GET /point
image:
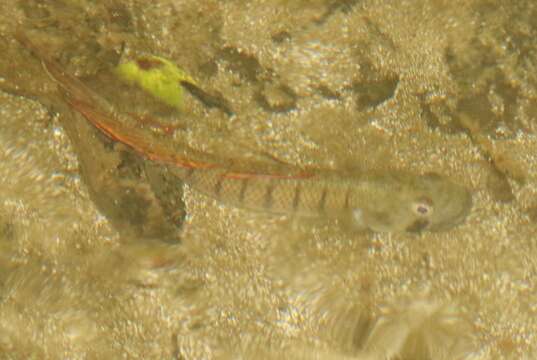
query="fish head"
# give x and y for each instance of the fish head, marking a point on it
(415, 203)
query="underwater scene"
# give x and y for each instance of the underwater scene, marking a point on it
(268, 179)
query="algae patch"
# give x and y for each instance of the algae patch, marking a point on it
(157, 76)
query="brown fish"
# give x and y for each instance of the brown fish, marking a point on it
(388, 201)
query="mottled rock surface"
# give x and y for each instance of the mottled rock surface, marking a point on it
(95, 262)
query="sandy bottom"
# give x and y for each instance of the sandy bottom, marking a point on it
(104, 257)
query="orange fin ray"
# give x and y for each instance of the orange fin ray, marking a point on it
(101, 114)
(133, 138)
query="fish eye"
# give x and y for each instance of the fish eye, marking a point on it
(423, 207)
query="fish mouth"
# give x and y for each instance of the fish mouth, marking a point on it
(418, 226)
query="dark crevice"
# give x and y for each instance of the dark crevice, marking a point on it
(277, 98)
(335, 6)
(374, 89)
(209, 100)
(247, 66)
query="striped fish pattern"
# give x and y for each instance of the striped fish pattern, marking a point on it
(384, 202)
(389, 201)
(307, 194)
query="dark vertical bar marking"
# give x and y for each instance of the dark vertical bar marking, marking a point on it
(348, 198)
(322, 200)
(296, 199)
(244, 186)
(268, 194)
(218, 186)
(189, 173)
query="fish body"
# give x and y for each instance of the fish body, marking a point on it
(385, 202)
